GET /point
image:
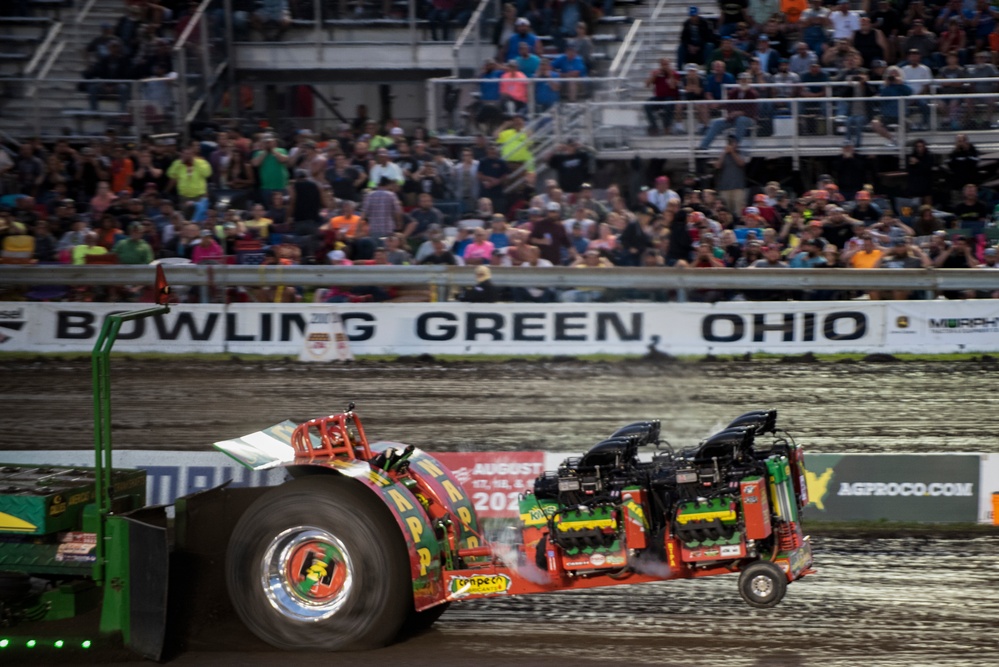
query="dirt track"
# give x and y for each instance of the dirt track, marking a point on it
(911, 601)
(561, 406)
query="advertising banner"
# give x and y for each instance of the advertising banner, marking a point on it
(943, 326)
(893, 487)
(461, 328)
(494, 480)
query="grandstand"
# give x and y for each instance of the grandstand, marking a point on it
(120, 81)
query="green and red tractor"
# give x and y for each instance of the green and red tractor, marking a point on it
(367, 541)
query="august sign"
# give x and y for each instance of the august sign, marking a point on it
(907, 487)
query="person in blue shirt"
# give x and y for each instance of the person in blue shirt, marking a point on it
(527, 62)
(570, 65)
(489, 91)
(888, 109)
(714, 84)
(523, 34)
(546, 93)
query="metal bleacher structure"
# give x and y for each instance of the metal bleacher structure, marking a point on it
(611, 121)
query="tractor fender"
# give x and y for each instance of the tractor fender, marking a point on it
(445, 488)
(421, 542)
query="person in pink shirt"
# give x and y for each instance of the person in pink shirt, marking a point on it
(206, 249)
(101, 201)
(480, 250)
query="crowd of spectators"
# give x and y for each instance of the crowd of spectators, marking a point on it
(374, 194)
(883, 50)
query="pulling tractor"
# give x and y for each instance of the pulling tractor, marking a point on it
(367, 541)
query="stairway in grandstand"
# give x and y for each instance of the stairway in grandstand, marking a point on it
(52, 107)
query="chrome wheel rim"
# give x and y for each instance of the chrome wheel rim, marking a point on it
(761, 586)
(306, 573)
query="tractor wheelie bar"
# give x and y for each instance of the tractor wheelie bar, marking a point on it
(367, 542)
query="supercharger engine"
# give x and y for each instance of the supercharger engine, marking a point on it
(724, 499)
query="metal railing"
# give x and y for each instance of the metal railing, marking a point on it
(556, 277)
(469, 101)
(795, 127)
(144, 105)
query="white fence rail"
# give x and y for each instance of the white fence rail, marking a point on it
(558, 277)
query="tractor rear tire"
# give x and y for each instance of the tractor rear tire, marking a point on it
(762, 584)
(319, 563)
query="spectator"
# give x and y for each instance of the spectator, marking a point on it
(957, 256)
(733, 12)
(953, 39)
(661, 194)
(513, 89)
(696, 39)
(844, 21)
(30, 170)
(766, 57)
(207, 249)
(865, 210)
(527, 62)
(189, 175)
(665, 85)
(134, 249)
(920, 40)
(480, 250)
(918, 77)
(346, 179)
(953, 107)
(693, 89)
(886, 19)
(919, 171)
(734, 59)
(522, 33)
(439, 254)
(571, 164)
(816, 90)
(870, 42)
(546, 93)
(515, 143)
(534, 260)
(889, 108)
(864, 256)
(395, 251)
(990, 260)
(484, 291)
(583, 44)
(815, 27)
(549, 235)
(271, 19)
(384, 168)
(89, 247)
(259, 225)
(771, 259)
(738, 117)
(971, 212)
(383, 213)
(271, 162)
(802, 59)
(570, 65)
(903, 255)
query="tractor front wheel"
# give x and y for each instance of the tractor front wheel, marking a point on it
(762, 584)
(319, 564)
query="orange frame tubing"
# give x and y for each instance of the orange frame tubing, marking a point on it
(334, 438)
